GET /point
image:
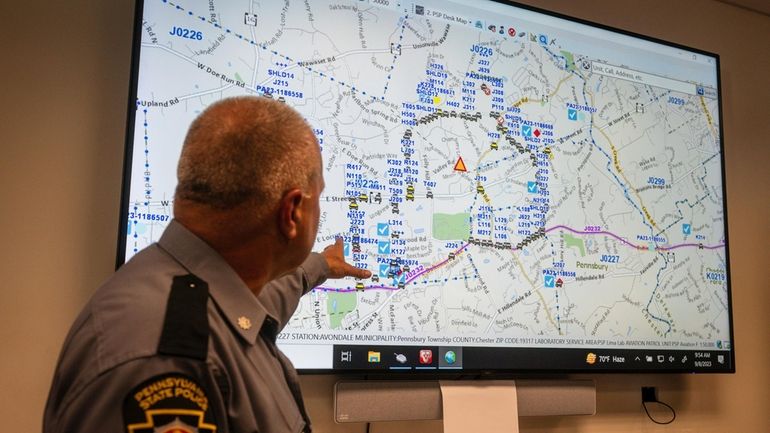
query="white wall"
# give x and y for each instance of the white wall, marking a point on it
(64, 78)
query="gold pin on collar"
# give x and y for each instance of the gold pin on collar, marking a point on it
(244, 323)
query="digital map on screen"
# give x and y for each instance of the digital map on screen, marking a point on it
(502, 187)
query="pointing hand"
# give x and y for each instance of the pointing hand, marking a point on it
(338, 267)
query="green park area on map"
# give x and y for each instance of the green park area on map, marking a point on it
(338, 305)
(451, 227)
(572, 241)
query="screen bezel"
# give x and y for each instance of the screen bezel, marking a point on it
(126, 185)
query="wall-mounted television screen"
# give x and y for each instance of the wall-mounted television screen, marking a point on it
(532, 192)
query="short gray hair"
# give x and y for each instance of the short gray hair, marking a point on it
(246, 150)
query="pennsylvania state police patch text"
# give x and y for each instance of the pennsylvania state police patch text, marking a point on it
(169, 403)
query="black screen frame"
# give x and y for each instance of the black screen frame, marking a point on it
(497, 372)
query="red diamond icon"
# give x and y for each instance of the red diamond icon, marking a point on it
(537, 133)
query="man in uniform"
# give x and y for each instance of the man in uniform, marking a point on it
(182, 338)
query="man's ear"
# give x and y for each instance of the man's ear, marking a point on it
(290, 213)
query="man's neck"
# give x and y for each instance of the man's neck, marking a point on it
(253, 254)
(254, 261)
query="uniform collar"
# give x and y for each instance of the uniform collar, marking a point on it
(239, 305)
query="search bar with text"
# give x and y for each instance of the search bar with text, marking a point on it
(643, 78)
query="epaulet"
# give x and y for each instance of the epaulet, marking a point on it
(186, 324)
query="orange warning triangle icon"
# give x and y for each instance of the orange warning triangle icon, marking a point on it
(460, 165)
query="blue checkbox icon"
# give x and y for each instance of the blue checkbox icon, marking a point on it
(384, 269)
(532, 187)
(686, 229)
(399, 278)
(572, 114)
(526, 130)
(383, 229)
(549, 281)
(383, 247)
(346, 249)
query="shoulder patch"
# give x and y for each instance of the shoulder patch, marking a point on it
(168, 403)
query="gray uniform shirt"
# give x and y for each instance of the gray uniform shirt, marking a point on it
(113, 376)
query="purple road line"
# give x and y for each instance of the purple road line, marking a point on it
(592, 233)
(713, 247)
(459, 250)
(414, 277)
